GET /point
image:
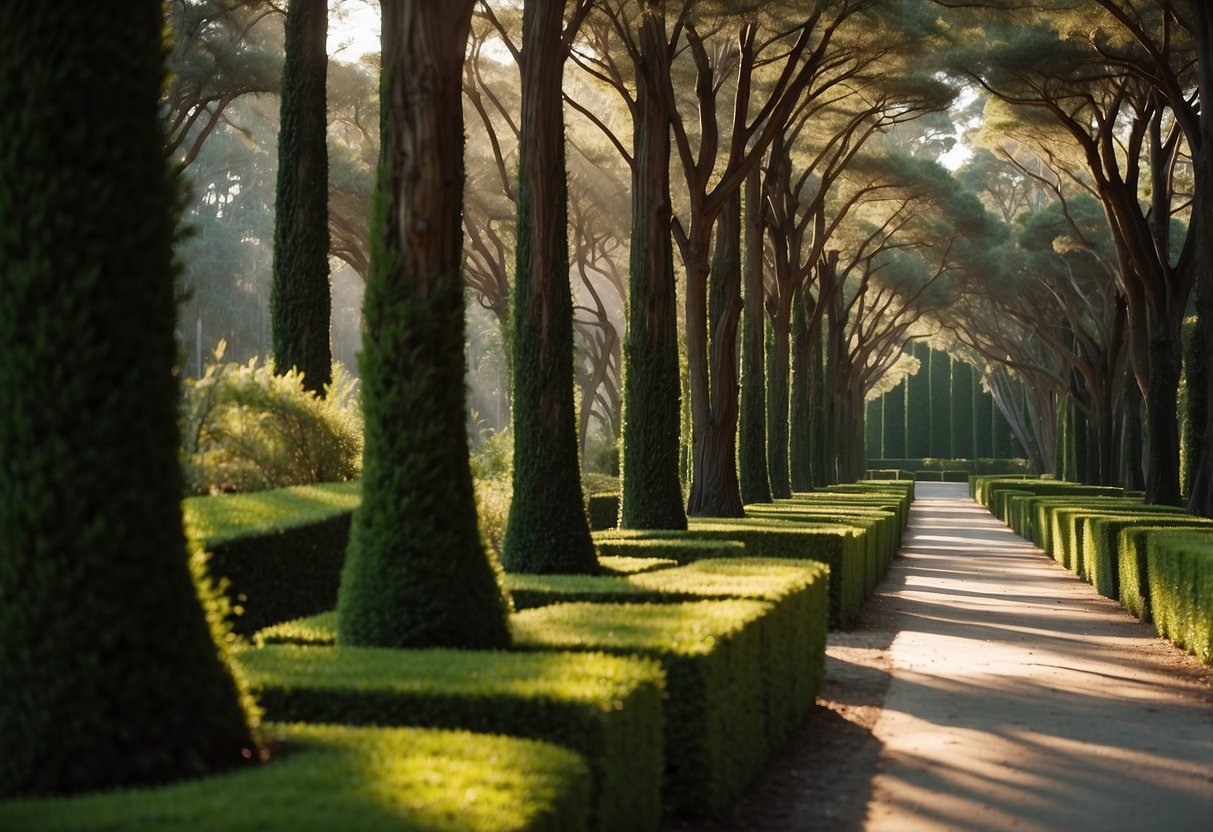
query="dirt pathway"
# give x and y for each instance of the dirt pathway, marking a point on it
(987, 688)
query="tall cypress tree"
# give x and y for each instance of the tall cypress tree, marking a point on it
(547, 530)
(873, 426)
(109, 672)
(941, 404)
(983, 421)
(895, 423)
(415, 573)
(300, 294)
(918, 405)
(962, 410)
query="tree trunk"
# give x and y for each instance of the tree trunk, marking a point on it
(110, 674)
(715, 491)
(1162, 423)
(1200, 385)
(652, 491)
(778, 402)
(300, 294)
(415, 535)
(547, 530)
(756, 485)
(800, 448)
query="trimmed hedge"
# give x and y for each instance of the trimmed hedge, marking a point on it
(716, 737)
(602, 510)
(994, 492)
(982, 466)
(614, 565)
(277, 553)
(1180, 567)
(798, 589)
(667, 545)
(606, 708)
(1131, 547)
(332, 777)
(1037, 518)
(842, 548)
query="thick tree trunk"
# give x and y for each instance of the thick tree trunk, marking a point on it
(652, 492)
(300, 294)
(756, 485)
(547, 530)
(778, 458)
(415, 535)
(715, 491)
(110, 676)
(1200, 385)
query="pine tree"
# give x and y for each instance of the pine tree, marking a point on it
(416, 573)
(110, 674)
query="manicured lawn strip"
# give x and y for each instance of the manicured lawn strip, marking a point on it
(607, 708)
(1131, 549)
(326, 778)
(279, 551)
(1180, 566)
(716, 739)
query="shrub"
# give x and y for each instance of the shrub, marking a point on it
(1131, 544)
(1180, 568)
(246, 429)
(607, 708)
(602, 510)
(332, 777)
(667, 545)
(713, 657)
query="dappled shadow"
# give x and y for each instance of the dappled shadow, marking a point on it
(1022, 699)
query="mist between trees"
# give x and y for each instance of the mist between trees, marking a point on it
(777, 200)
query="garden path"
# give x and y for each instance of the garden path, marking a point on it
(1021, 699)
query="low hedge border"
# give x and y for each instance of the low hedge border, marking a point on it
(607, 708)
(1180, 569)
(1131, 547)
(335, 777)
(664, 545)
(1048, 522)
(278, 554)
(616, 565)
(716, 737)
(1098, 562)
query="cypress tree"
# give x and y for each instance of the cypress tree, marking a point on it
(894, 440)
(819, 423)
(547, 530)
(300, 294)
(918, 405)
(1005, 444)
(983, 421)
(941, 404)
(800, 455)
(962, 411)
(874, 429)
(110, 674)
(415, 573)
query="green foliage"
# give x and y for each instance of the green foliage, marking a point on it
(277, 554)
(1131, 550)
(918, 405)
(622, 565)
(1180, 568)
(717, 678)
(602, 511)
(666, 545)
(109, 666)
(1100, 536)
(246, 429)
(941, 405)
(606, 708)
(332, 777)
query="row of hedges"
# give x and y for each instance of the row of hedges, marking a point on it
(716, 660)
(738, 672)
(982, 466)
(1156, 560)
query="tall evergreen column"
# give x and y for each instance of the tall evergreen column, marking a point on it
(547, 529)
(918, 405)
(800, 451)
(962, 410)
(300, 294)
(941, 405)
(109, 673)
(416, 573)
(895, 423)
(752, 439)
